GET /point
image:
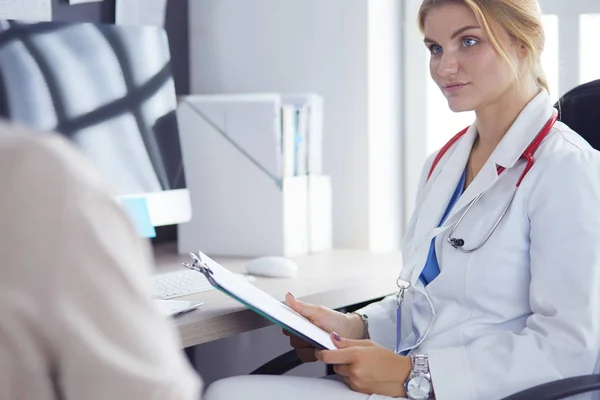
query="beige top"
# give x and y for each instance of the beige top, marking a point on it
(76, 319)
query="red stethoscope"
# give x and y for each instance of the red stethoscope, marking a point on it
(527, 155)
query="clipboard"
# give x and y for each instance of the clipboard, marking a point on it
(259, 301)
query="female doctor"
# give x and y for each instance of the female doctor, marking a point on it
(500, 287)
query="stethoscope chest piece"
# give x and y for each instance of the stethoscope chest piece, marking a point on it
(456, 243)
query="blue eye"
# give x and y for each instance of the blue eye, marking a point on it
(435, 49)
(469, 42)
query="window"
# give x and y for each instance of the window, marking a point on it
(550, 56)
(589, 61)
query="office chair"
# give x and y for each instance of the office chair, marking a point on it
(579, 109)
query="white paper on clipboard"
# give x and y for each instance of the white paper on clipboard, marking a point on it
(266, 303)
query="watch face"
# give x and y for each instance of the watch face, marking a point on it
(418, 387)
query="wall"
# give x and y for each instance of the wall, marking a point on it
(92, 12)
(416, 74)
(324, 47)
(176, 24)
(288, 46)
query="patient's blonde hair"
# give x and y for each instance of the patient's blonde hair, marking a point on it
(522, 19)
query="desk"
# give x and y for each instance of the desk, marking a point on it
(334, 279)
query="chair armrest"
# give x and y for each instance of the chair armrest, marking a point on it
(559, 389)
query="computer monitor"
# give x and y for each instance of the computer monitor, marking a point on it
(109, 89)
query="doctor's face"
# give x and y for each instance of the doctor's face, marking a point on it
(463, 63)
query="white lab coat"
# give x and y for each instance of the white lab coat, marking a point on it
(525, 308)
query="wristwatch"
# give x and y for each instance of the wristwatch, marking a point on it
(365, 321)
(418, 385)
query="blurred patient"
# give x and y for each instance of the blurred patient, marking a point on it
(76, 318)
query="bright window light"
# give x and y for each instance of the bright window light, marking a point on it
(550, 56)
(589, 62)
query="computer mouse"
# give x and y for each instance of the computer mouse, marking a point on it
(273, 267)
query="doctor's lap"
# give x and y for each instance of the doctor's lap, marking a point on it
(282, 387)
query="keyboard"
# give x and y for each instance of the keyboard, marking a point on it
(183, 282)
(179, 283)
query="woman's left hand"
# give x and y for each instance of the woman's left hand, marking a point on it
(367, 367)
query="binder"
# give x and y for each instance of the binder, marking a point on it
(238, 153)
(260, 302)
(241, 205)
(312, 105)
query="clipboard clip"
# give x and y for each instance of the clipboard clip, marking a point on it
(198, 264)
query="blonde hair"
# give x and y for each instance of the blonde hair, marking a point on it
(522, 19)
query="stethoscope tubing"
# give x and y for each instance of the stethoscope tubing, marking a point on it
(527, 155)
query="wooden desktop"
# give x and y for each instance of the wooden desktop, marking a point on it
(334, 279)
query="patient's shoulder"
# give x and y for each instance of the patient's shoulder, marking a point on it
(44, 162)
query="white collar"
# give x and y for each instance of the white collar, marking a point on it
(523, 131)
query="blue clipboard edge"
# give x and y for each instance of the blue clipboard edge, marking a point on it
(208, 274)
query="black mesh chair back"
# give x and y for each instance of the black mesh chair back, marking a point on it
(580, 110)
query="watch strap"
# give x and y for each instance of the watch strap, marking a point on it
(365, 320)
(420, 364)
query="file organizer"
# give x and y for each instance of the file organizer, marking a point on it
(313, 143)
(242, 204)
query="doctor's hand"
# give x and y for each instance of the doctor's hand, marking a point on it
(348, 325)
(367, 367)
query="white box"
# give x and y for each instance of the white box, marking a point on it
(320, 218)
(314, 147)
(240, 204)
